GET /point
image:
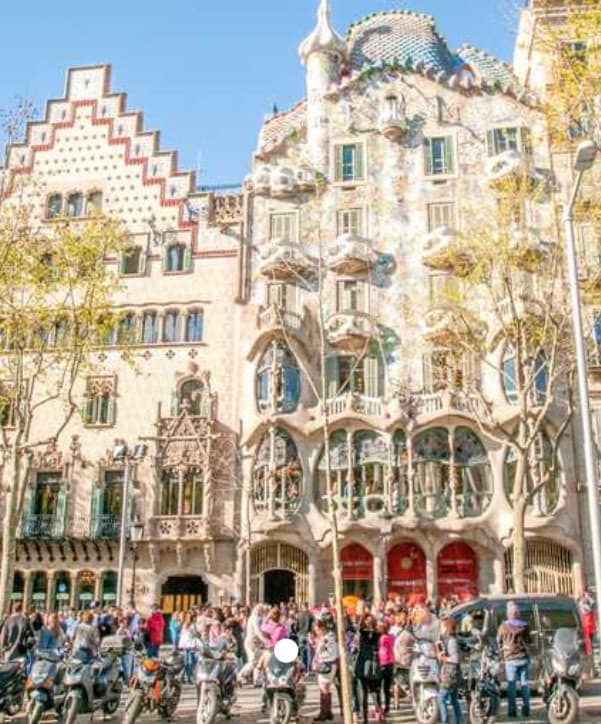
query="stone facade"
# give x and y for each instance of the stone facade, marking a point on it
(367, 176)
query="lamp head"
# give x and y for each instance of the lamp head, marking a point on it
(586, 153)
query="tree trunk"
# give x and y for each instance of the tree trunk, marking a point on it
(519, 546)
(9, 548)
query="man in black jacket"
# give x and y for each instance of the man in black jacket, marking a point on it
(305, 621)
(16, 633)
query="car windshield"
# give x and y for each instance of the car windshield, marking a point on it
(556, 613)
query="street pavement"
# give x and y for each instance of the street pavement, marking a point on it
(247, 709)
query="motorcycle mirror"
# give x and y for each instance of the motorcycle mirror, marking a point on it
(285, 651)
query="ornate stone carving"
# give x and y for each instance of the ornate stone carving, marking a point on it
(51, 458)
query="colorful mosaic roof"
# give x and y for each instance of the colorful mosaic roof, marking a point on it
(280, 125)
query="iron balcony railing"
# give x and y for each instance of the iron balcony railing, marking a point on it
(42, 526)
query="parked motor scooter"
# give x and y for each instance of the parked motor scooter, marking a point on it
(284, 686)
(154, 687)
(94, 682)
(424, 678)
(12, 686)
(216, 682)
(483, 690)
(45, 685)
(561, 672)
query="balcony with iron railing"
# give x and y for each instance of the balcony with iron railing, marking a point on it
(47, 527)
(350, 329)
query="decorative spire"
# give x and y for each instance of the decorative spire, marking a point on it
(324, 38)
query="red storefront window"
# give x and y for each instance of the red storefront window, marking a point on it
(407, 572)
(357, 570)
(458, 571)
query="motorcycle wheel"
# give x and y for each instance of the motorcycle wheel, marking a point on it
(563, 709)
(133, 707)
(15, 705)
(167, 710)
(207, 705)
(281, 709)
(479, 711)
(111, 705)
(71, 710)
(36, 713)
(427, 712)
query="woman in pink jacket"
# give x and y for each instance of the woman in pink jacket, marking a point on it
(386, 661)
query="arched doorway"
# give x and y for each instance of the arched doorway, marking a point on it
(357, 571)
(549, 568)
(108, 593)
(407, 572)
(87, 585)
(18, 586)
(62, 593)
(269, 562)
(458, 571)
(182, 593)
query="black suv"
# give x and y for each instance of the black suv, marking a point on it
(544, 613)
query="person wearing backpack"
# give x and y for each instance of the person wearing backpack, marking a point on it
(367, 666)
(450, 671)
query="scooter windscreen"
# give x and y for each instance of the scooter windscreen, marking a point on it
(565, 641)
(285, 651)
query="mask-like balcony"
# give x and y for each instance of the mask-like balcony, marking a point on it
(442, 252)
(350, 254)
(44, 527)
(507, 166)
(182, 527)
(444, 325)
(357, 403)
(284, 260)
(393, 120)
(445, 402)
(350, 330)
(282, 181)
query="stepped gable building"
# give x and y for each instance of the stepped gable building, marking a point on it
(177, 299)
(370, 175)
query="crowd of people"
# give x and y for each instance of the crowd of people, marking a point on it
(379, 641)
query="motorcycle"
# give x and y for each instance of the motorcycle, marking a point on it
(216, 683)
(424, 679)
(45, 686)
(284, 686)
(155, 687)
(561, 672)
(483, 690)
(94, 682)
(12, 687)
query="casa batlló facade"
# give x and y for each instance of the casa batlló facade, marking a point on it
(369, 176)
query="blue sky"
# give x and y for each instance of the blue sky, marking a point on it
(203, 71)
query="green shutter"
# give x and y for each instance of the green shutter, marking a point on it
(371, 376)
(60, 512)
(332, 376)
(187, 259)
(86, 410)
(490, 142)
(143, 258)
(359, 162)
(449, 156)
(165, 258)
(428, 156)
(123, 263)
(428, 374)
(110, 416)
(338, 162)
(96, 509)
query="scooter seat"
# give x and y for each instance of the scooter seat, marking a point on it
(7, 671)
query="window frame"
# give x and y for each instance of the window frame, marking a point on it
(359, 172)
(450, 156)
(362, 292)
(437, 207)
(282, 216)
(191, 313)
(360, 225)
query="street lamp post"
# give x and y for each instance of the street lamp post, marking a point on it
(137, 529)
(121, 454)
(585, 157)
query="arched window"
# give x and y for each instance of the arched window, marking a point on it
(277, 476)
(452, 476)
(126, 329)
(194, 326)
(177, 258)
(192, 394)
(131, 261)
(278, 379)
(75, 204)
(93, 203)
(545, 500)
(172, 327)
(54, 206)
(150, 328)
(360, 476)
